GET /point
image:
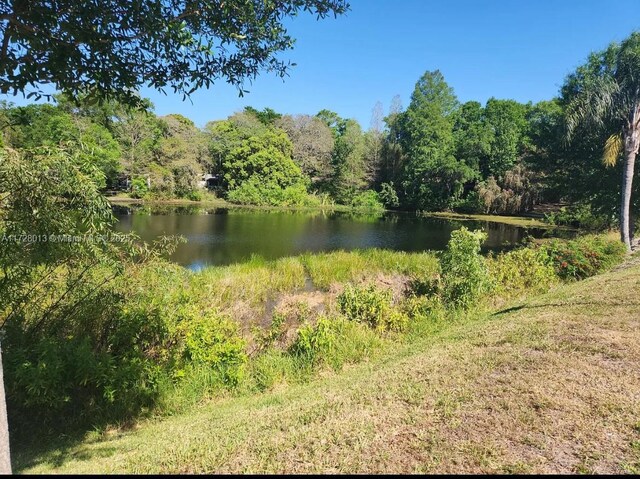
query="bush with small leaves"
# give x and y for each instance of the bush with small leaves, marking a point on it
(139, 188)
(371, 306)
(213, 340)
(465, 278)
(522, 270)
(583, 257)
(313, 340)
(367, 201)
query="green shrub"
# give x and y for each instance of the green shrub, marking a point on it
(312, 340)
(140, 337)
(194, 195)
(139, 188)
(185, 180)
(97, 364)
(252, 193)
(388, 196)
(334, 341)
(465, 277)
(297, 195)
(367, 200)
(60, 376)
(579, 216)
(522, 270)
(213, 340)
(583, 257)
(472, 203)
(372, 307)
(162, 181)
(261, 193)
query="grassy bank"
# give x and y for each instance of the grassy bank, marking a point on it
(208, 200)
(211, 201)
(511, 220)
(547, 385)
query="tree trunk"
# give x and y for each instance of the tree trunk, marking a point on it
(631, 142)
(5, 457)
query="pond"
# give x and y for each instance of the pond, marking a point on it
(218, 236)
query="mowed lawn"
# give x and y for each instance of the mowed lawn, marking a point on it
(549, 385)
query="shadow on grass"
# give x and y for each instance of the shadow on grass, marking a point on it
(54, 444)
(560, 305)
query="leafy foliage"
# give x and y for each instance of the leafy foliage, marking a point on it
(388, 195)
(465, 276)
(517, 192)
(313, 340)
(60, 263)
(37, 126)
(139, 188)
(371, 306)
(349, 169)
(578, 259)
(112, 48)
(213, 340)
(313, 145)
(580, 215)
(522, 271)
(367, 200)
(604, 96)
(433, 178)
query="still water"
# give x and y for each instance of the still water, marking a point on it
(220, 236)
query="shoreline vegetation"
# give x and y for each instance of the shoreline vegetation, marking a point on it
(341, 337)
(437, 155)
(523, 221)
(212, 201)
(239, 333)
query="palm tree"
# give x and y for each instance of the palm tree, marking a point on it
(606, 95)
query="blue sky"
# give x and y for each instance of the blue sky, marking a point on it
(484, 48)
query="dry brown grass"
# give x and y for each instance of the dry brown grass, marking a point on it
(550, 386)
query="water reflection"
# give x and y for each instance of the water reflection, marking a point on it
(224, 236)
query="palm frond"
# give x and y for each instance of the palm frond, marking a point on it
(612, 150)
(596, 103)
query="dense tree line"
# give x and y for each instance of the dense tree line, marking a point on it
(502, 157)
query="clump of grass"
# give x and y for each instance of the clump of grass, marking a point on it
(401, 262)
(427, 315)
(342, 267)
(336, 267)
(253, 281)
(334, 342)
(352, 344)
(276, 366)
